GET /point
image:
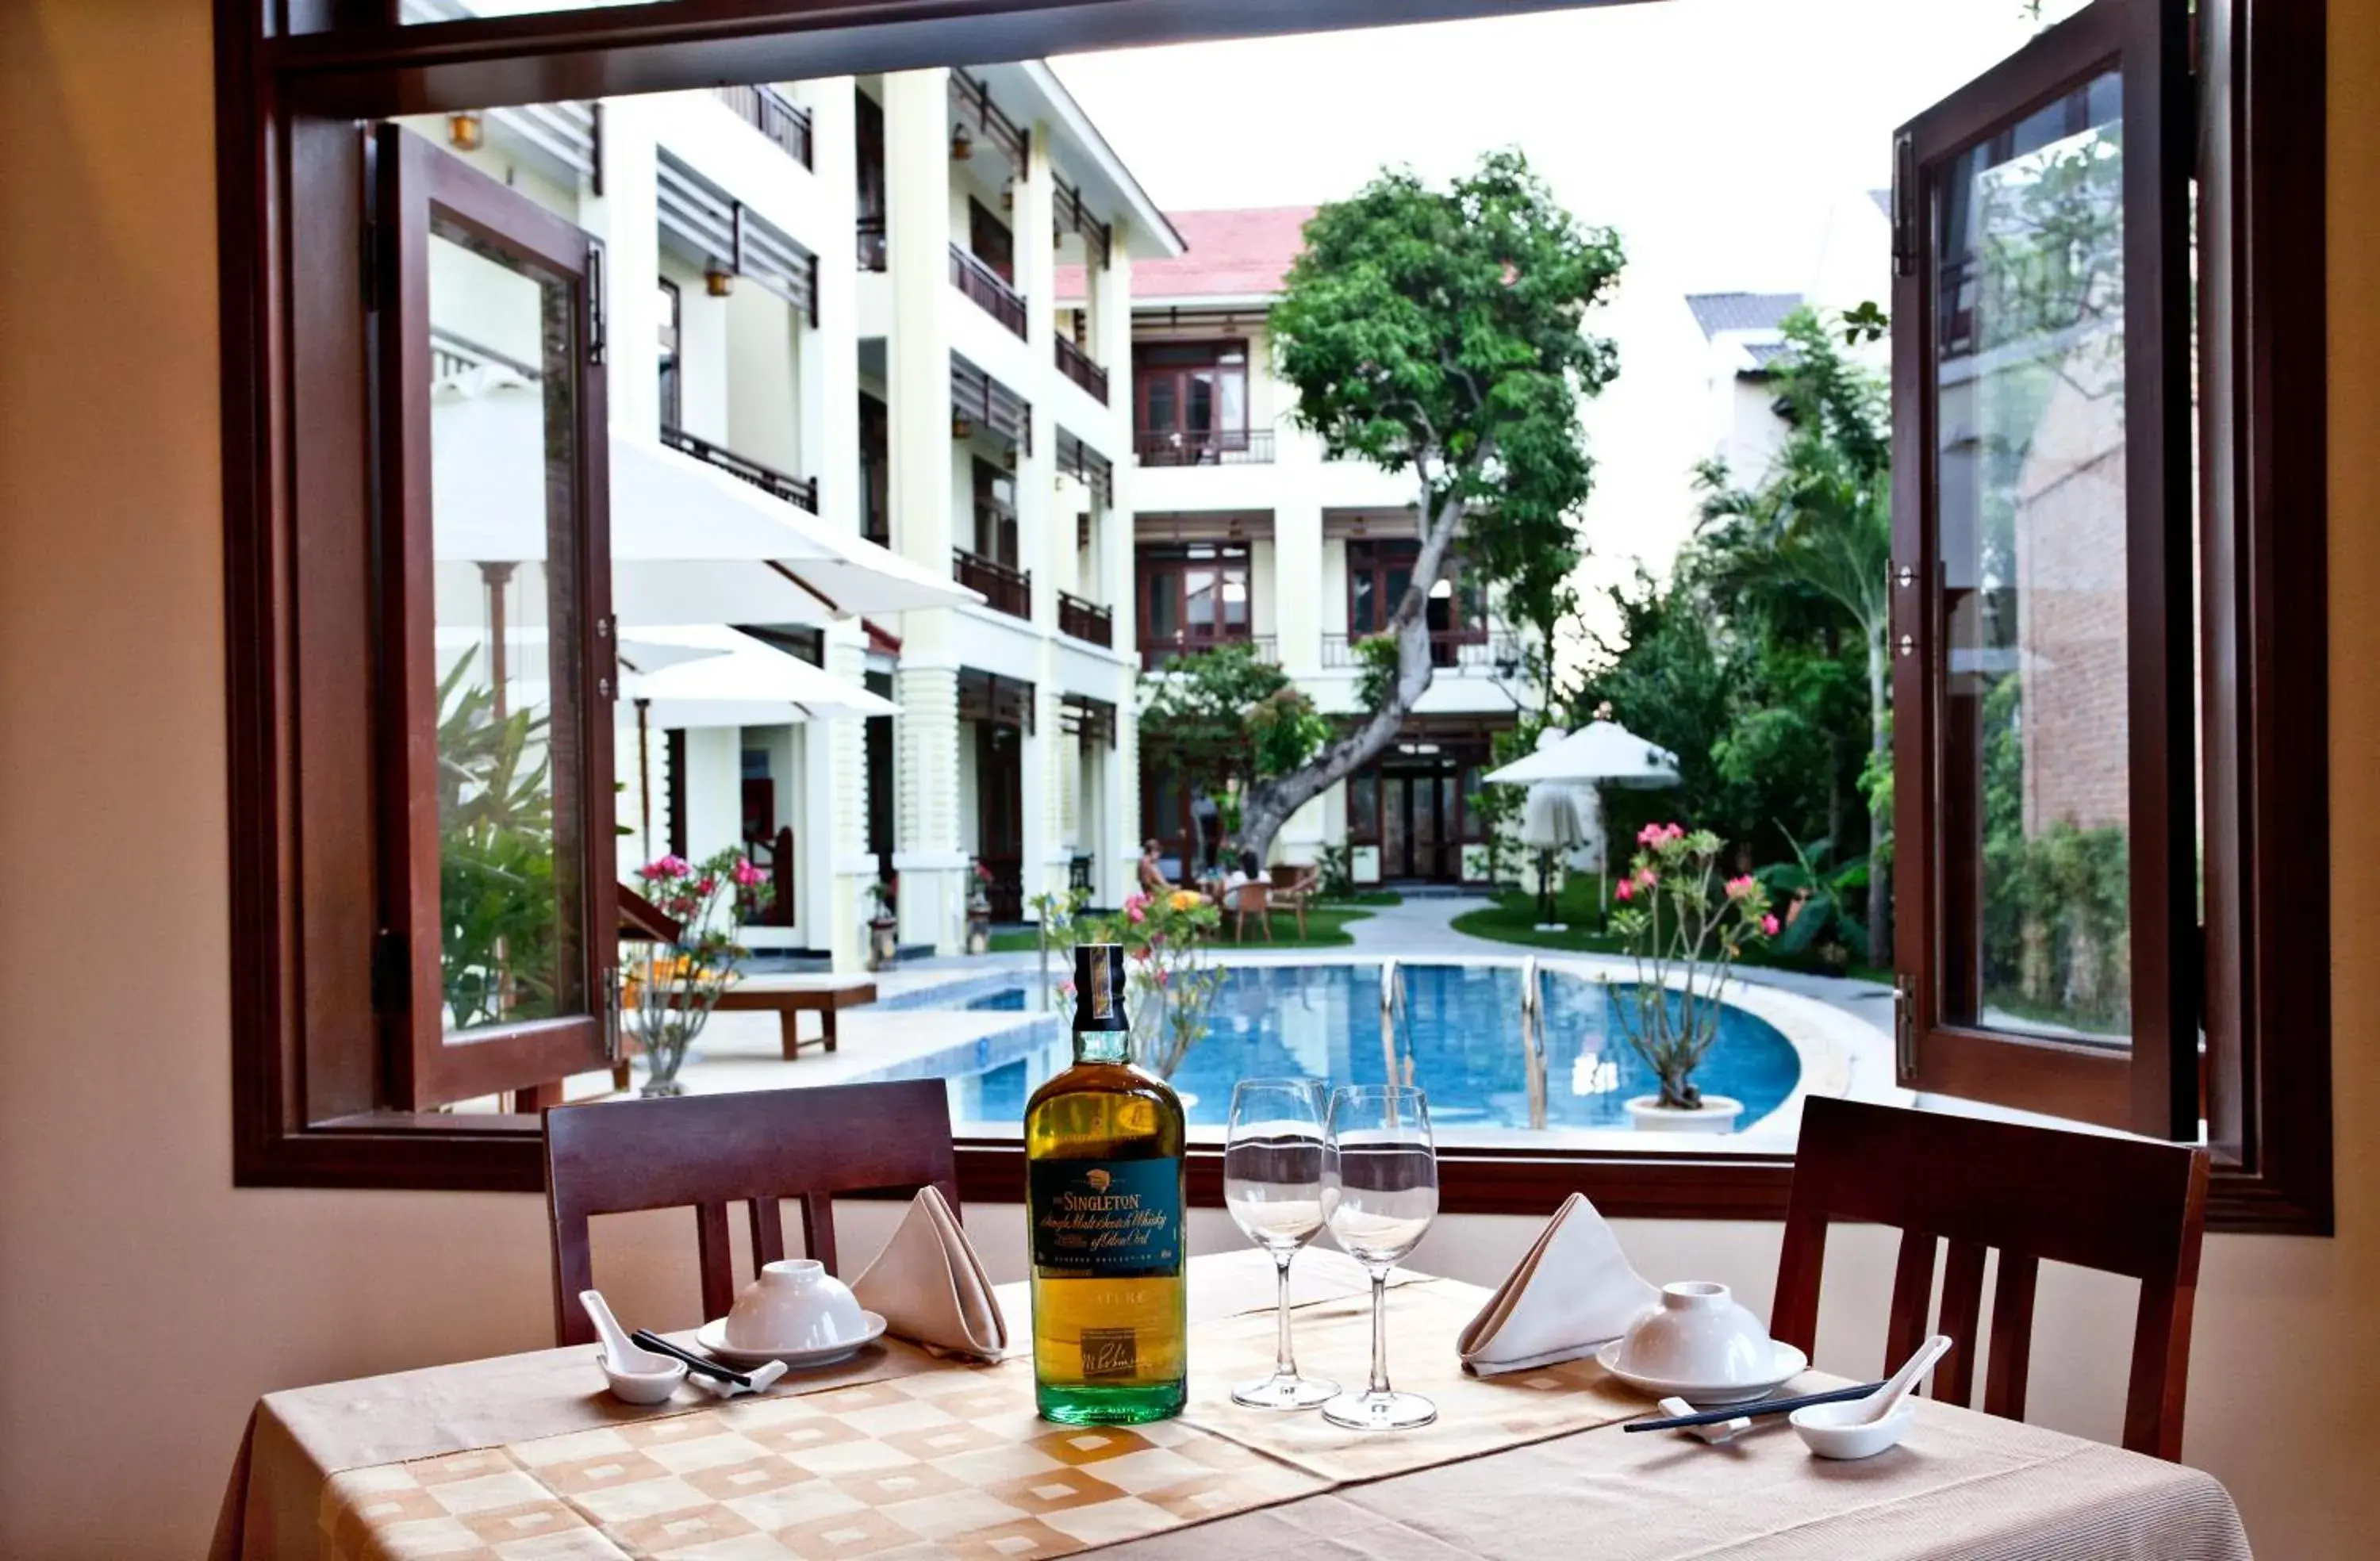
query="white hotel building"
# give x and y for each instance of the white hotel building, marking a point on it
(842, 292)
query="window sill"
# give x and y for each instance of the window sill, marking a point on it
(505, 1154)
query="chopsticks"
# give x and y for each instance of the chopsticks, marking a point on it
(700, 1364)
(1756, 1406)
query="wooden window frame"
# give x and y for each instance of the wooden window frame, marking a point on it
(293, 79)
(1152, 563)
(1217, 437)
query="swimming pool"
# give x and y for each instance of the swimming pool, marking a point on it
(1460, 1032)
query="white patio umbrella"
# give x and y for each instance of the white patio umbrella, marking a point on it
(1602, 752)
(690, 543)
(1551, 823)
(733, 679)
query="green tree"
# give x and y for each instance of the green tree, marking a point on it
(1221, 716)
(1820, 520)
(1442, 334)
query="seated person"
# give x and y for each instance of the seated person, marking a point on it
(1153, 881)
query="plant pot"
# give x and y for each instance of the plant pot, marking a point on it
(1716, 1114)
(883, 943)
(978, 933)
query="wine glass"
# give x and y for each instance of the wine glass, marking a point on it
(1379, 1193)
(1272, 1184)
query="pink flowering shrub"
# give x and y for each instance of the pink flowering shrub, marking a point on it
(669, 990)
(1684, 927)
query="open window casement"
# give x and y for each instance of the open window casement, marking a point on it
(2042, 630)
(497, 965)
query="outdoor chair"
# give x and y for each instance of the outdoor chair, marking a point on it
(1294, 889)
(2121, 1206)
(708, 1151)
(1250, 898)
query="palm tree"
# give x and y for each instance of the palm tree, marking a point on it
(1820, 520)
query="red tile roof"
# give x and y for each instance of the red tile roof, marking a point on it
(1231, 255)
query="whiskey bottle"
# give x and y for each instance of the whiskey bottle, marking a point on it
(1103, 1173)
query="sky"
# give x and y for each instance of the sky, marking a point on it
(1732, 143)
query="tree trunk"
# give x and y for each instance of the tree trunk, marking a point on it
(1880, 869)
(1266, 805)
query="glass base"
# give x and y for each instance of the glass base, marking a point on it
(1283, 1393)
(1379, 1411)
(1070, 1405)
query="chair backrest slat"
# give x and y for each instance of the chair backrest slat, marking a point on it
(2122, 1205)
(706, 1152)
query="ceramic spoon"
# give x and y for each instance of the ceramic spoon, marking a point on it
(1884, 1399)
(623, 1355)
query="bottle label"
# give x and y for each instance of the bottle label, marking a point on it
(1108, 1219)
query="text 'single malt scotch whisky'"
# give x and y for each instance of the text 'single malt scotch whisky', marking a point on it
(1103, 1156)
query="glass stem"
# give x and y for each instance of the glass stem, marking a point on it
(1381, 1330)
(1285, 1365)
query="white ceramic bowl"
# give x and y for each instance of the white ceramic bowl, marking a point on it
(795, 1305)
(1698, 1333)
(1823, 1429)
(642, 1387)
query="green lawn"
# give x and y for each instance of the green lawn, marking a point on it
(1326, 927)
(1514, 919)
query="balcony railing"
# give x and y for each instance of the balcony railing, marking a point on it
(1465, 650)
(774, 114)
(800, 492)
(1004, 589)
(1076, 365)
(1084, 620)
(1204, 447)
(871, 242)
(1154, 653)
(982, 284)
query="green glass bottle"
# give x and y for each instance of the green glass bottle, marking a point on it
(1103, 1169)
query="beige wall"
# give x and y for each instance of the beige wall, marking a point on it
(121, 1238)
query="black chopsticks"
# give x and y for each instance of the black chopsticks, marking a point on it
(648, 1339)
(1756, 1406)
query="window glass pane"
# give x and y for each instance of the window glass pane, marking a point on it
(1364, 806)
(1231, 399)
(1158, 412)
(2030, 510)
(1164, 606)
(1198, 598)
(505, 541)
(1199, 403)
(455, 10)
(1363, 606)
(1236, 600)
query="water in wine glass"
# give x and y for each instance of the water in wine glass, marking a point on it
(1380, 1193)
(1275, 1157)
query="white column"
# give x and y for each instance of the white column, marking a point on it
(715, 790)
(918, 372)
(628, 218)
(1296, 587)
(1110, 289)
(846, 761)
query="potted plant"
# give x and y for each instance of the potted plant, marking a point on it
(978, 908)
(1684, 928)
(883, 926)
(670, 988)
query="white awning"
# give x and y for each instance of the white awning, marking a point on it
(737, 681)
(690, 543)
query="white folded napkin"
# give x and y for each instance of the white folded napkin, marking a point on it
(929, 1286)
(1572, 1294)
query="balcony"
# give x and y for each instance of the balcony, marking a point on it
(1085, 621)
(774, 116)
(800, 492)
(1076, 365)
(991, 293)
(871, 242)
(1204, 447)
(1004, 589)
(1473, 650)
(1158, 650)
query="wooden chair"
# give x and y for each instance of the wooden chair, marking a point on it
(2121, 1206)
(708, 1151)
(1293, 889)
(1250, 898)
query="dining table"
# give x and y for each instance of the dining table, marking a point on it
(901, 1454)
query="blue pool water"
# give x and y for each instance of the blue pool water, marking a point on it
(1461, 1031)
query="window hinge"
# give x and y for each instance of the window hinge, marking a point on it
(612, 1051)
(391, 971)
(1904, 1029)
(594, 302)
(1904, 205)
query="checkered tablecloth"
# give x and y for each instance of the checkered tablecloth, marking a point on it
(900, 1456)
